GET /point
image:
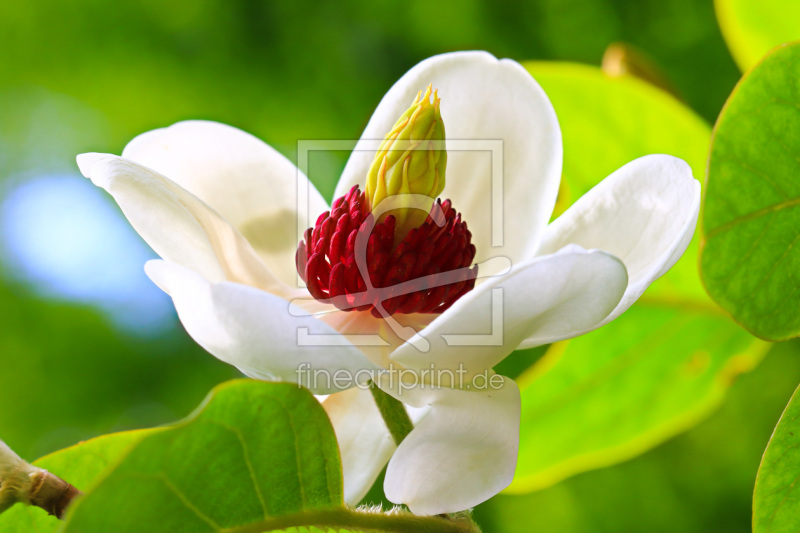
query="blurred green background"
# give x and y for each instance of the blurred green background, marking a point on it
(88, 345)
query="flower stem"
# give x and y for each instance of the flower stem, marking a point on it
(393, 412)
(362, 521)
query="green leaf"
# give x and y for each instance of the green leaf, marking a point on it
(252, 452)
(776, 502)
(751, 257)
(625, 388)
(607, 122)
(667, 362)
(752, 28)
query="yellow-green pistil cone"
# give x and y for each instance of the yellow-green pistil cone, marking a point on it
(411, 160)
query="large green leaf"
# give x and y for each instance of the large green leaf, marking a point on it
(606, 122)
(625, 388)
(254, 457)
(751, 224)
(254, 451)
(665, 364)
(776, 502)
(754, 27)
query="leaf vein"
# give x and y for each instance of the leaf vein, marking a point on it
(788, 204)
(185, 500)
(250, 469)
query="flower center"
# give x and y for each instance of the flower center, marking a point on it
(393, 249)
(425, 273)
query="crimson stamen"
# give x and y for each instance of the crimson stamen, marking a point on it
(426, 272)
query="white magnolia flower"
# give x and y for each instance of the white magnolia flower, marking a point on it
(220, 207)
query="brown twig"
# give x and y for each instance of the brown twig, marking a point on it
(21, 482)
(52, 493)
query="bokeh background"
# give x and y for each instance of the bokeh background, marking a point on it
(88, 345)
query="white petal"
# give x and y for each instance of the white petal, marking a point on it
(177, 225)
(254, 331)
(244, 179)
(548, 298)
(645, 213)
(463, 452)
(483, 99)
(364, 441)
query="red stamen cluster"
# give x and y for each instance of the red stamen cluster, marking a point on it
(426, 272)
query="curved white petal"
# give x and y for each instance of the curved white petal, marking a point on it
(548, 298)
(364, 441)
(463, 452)
(645, 213)
(493, 112)
(176, 224)
(242, 178)
(254, 331)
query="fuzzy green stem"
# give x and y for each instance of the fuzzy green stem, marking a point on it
(394, 414)
(362, 521)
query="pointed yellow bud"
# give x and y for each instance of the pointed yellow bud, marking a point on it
(410, 160)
